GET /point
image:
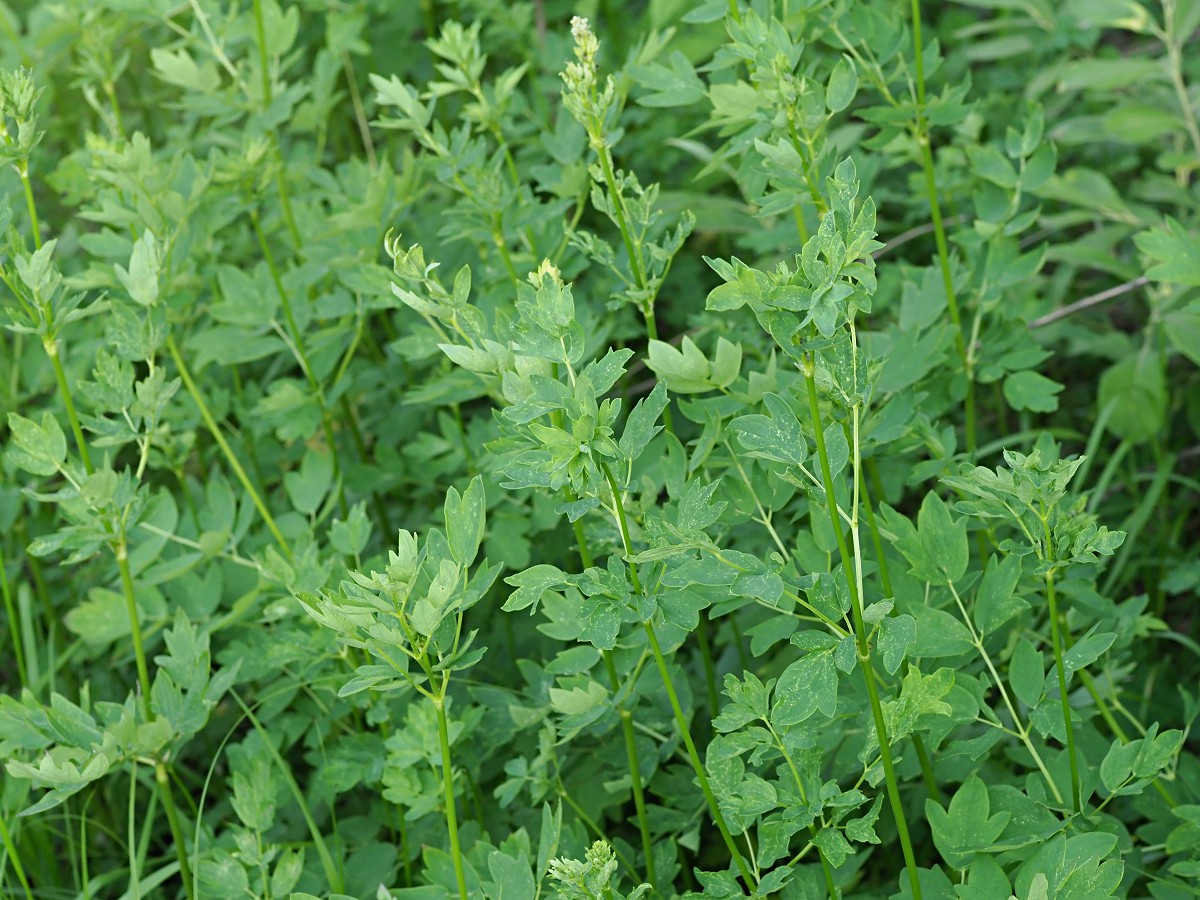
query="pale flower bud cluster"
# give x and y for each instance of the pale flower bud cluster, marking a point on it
(581, 98)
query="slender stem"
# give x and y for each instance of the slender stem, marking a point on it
(921, 127)
(626, 716)
(694, 756)
(860, 632)
(121, 551)
(610, 181)
(14, 858)
(64, 389)
(333, 874)
(230, 457)
(162, 778)
(635, 774)
(1056, 639)
(23, 171)
(302, 354)
(1175, 55)
(669, 684)
(263, 62)
(14, 626)
(439, 703)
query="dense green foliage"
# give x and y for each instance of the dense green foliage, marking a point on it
(498, 450)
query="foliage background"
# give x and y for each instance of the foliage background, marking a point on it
(233, 373)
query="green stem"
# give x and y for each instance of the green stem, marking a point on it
(64, 389)
(1057, 641)
(121, 551)
(860, 632)
(626, 716)
(610, 181)
(231, 458)
(302, 353)
(332, 873)
(694, 756)
(260, 32)
(11, 849)
(669, 684)
(162, 778)
(460, 875)
(14, 624)
(23, 171)
(939, 227)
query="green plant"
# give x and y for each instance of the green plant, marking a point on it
(797, 399)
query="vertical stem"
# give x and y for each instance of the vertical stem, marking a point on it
(626, 716)
(230, 457)
(439, 703)
(669, 684)
(860, 632)
(23, 171)
(163, 779)
(64, 389)
(305, 364)
(121, 551)
(14, 627)
(939, 227)
(1056, 639)
(11, 849)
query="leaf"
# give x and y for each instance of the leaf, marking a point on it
(896, 635)
(920, 695)
(944, 542)
(685, 371)
(1026, 673)
(966, 827)
(531, 584)
(349, 537)
(776, 436)
(1029, 390)
(38, 449)
(1137, 389)
(1087, 650)
(995, 602)
(842, 86)
(1175, 250)
(642, 424)
(141, 279)
(675, 84)
(806, 686)
(308, 487)
(465, 515)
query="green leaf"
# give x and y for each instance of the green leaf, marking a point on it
(512, 876)
(141, 279)
(531, 585)
(776, 436)
(966, 827)
(995, 602)
(806, 686)
(1176, 252)
(349, 537)
(308, 487)
(642, 424)
(1026, 673)
(675, 84)
(465, 519)
(842, 86)
(1137, 389)
(896, 635)
(38, 449)
(685, 371)
(1029, 390)
(944, 541)
(920, 695)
